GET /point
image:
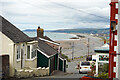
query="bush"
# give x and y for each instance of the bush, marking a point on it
(66, 57)
(68, 60)
(103, 75)
(81, 56)
(103, 68)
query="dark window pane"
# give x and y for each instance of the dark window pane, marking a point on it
(28, 52)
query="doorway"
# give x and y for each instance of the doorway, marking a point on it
(22, 59)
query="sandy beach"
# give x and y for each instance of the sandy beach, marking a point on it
(80, 45)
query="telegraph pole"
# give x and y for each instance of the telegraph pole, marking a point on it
(112, 41)
(88, 47)
(88, 50)
(73, 51)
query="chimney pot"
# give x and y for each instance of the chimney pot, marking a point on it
(38, 27)
(40, 32)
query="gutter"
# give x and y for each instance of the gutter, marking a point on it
(49, 41)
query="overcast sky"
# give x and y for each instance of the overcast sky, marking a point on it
(56, 14)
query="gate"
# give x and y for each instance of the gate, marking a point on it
(64, 65)
(52, 64)
(60, 65)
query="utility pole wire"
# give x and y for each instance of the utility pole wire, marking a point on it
(92, 21)
(79, 10)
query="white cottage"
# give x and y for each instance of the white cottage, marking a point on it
(20, 48)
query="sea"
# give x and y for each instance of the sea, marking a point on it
(52, 35)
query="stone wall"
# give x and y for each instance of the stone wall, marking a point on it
(32, 72)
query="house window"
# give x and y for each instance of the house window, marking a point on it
(18, 52)
(34, 51)
(31, 51)
(28, 52)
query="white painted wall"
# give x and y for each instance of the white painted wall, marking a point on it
(7, 48)
(97, 60)
(94, 57)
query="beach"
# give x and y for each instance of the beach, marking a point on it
(80, 45)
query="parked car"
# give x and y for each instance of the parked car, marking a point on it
(85, 67)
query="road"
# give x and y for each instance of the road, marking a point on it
(71, 71)
(71, 67)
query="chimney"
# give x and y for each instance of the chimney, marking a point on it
(40, 32)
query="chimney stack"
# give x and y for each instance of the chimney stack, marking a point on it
(40, 32)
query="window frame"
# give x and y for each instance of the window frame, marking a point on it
(19, 58)
(31, 58)
(34, 49)
(27, 52)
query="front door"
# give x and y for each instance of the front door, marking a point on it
(22, 58)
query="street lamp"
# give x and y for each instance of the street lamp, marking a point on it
(113, 26)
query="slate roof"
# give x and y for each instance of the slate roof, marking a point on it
(13, 32)
(47, 38)
(44, 47)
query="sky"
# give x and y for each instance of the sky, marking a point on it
(56, 14)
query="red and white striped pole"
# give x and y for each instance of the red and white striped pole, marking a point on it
(113, 41)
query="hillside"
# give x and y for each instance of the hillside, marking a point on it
(84, 30)
(80, 30)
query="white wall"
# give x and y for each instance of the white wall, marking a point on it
(17, 63)
(97, 60)
(7, 48)
(94, 57)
